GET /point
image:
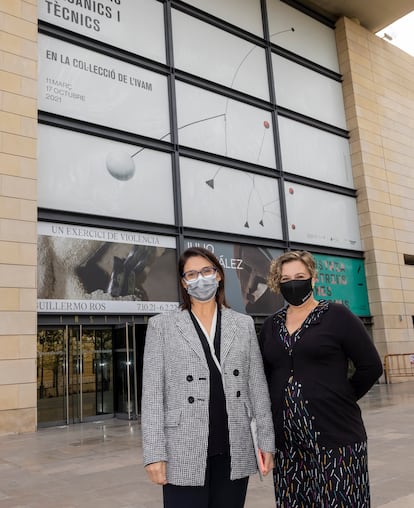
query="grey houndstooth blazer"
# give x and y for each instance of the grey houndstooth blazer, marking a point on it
(175, 396)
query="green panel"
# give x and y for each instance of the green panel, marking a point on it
(342, 280)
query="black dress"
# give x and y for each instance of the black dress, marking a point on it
(314, 467)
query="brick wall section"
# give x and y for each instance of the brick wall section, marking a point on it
(378, 89)
(18, 215)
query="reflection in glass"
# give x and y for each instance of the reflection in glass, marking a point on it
(75, 379)
(51, 385)
(128, 357)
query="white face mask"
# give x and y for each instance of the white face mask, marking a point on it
(203, 289)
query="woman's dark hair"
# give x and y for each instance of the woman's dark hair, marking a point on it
(209, 256)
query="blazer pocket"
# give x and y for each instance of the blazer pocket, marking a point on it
(172, 418)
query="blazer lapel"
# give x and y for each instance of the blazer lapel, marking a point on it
(189, 333)
(228, 333)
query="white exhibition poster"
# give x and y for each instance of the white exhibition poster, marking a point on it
(136, 26)
(85, 85)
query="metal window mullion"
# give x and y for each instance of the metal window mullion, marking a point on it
(80, 363)
(276, 137)
(127, 371)
(134, 353)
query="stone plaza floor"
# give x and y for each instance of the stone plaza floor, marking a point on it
(99, 464)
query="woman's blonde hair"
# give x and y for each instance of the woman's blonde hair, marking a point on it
(275, 271)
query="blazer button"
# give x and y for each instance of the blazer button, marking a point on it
(236, 372)
(238, 393)
(189, 378)
(190, 400)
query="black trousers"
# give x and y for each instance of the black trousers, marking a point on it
(218, 491)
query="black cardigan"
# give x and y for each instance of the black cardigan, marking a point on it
(319, 362)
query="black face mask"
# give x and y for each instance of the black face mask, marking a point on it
(296, 292)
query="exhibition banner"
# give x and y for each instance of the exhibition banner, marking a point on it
(101, 271)
(89, 174)
(225, 199)
(333, 222)
(246, 268)
(198, 49)
(342, 280)
(133, 25)
(86, 85)
(214, 123)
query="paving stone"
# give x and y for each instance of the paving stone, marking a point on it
(99, 464)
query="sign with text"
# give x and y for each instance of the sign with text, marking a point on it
(86, 85)
(134, 25)
(100, 271)
(342, 280)
(245, 268)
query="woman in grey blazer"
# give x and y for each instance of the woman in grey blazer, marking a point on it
(203, 382)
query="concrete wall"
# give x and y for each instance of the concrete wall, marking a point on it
(378, 86)
(18, 213)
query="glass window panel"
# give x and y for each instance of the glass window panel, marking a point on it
(83, 269)
(223, 199)
(245, 14)
(216, 124)
(308, 92)
(134, 25)
(314, 153)
(218, 56)
(88, 174)
(246, 268)
(311, 39)
(322, 218)
(82, 84)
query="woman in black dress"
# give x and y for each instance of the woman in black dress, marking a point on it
(321, 457)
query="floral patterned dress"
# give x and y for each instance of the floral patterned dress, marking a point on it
(307, 475)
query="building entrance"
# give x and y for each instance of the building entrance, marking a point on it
(87, 372)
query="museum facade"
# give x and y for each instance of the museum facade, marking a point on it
(132, 129)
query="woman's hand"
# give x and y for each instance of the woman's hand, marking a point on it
(157, 472)
(267, 462)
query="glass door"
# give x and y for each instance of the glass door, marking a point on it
(51, 376)
(103, 358)
(125, 372)
(75, 374)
